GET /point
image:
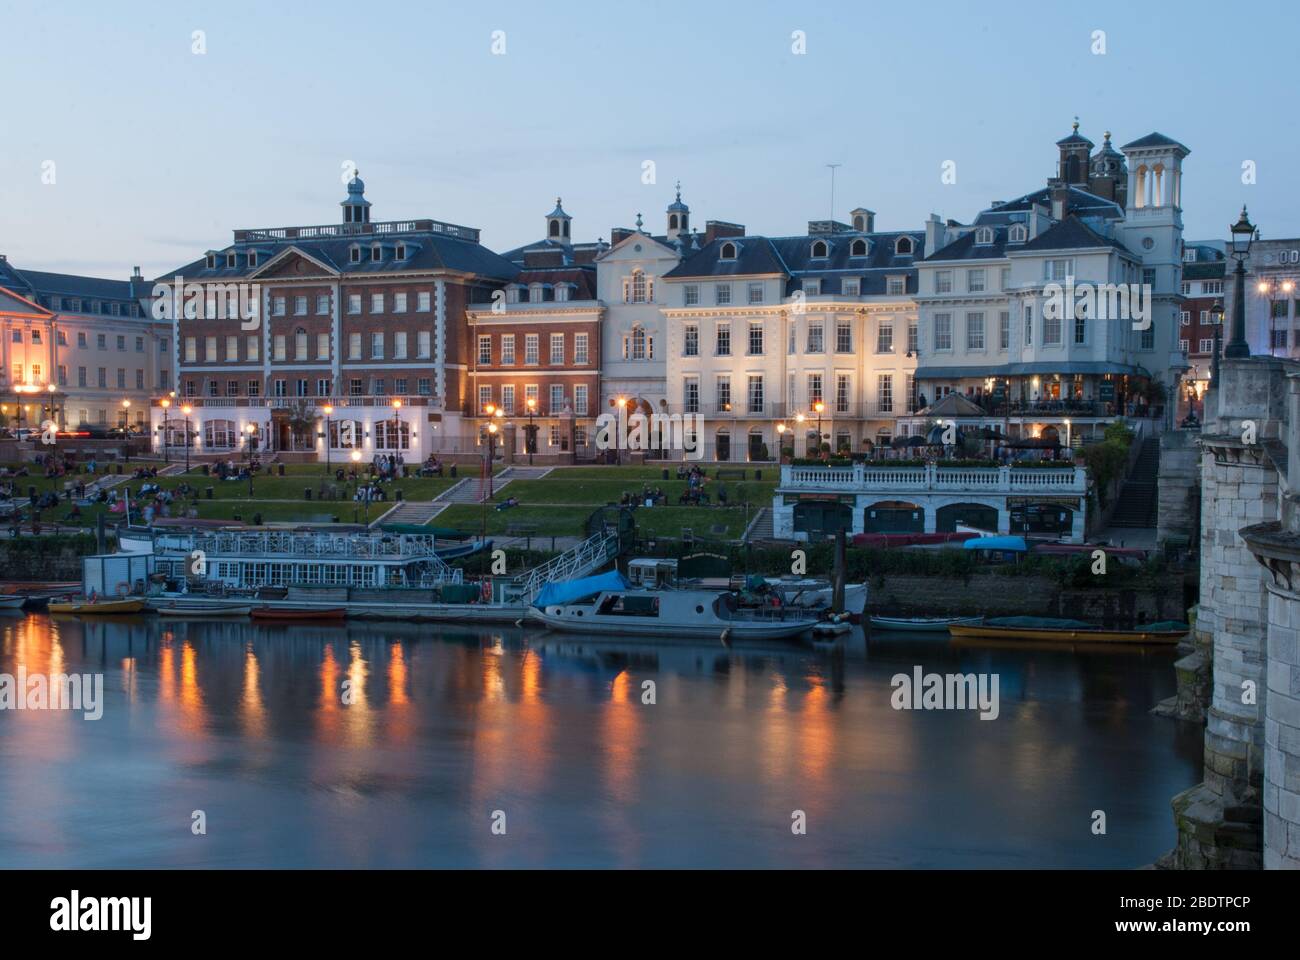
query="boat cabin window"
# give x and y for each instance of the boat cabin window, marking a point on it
(618, 605)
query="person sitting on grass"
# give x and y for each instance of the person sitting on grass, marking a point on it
(507, 503)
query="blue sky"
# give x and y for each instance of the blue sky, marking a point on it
(159, 153)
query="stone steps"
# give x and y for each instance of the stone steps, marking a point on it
(760, 528)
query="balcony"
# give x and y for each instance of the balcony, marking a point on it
(1065, 479)
(292, 403)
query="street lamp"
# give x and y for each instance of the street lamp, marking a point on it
(328, 410)
(126, 428)
(799, 418)
(187, 410)
(622, 412)
(780, 442)
(251, 430)
(396, 439)
(819, 407)
(356, 488)
(1243, 232)
(531, 440)
(165, 403)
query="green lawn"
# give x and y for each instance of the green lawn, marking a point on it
(550, 521)
(291, 488)
(563, 488)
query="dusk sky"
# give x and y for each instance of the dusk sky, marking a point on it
(159, 152)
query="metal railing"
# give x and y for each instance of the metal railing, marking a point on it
(578, 561)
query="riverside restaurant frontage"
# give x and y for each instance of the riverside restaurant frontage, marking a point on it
(1044, 499)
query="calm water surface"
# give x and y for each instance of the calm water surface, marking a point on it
(447, 725)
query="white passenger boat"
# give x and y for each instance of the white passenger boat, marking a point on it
(668, 614)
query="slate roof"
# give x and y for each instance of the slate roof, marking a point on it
(792, 258)
(1154, 140)
(1071, 234)
(1081, 202)
(425, 250)
(965, 247)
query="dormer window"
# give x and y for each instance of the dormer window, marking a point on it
(984, 235)
(903, 247)
(212, 261)
(1017, 233)
(812, 288)
(728, 252)
(820, 250)
(376, 253)
(230, 260)
(858, 248)
(354, 254)
(401, 251)
(562, 292)
(252, 258)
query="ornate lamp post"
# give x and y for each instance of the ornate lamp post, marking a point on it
(126, 428)
(187, 410)
(328, 410)
(622, 412)
(251, 431)
(780, 442)
(356, 487)
(165, 403)
(397, 427)
(819, 407)
(531, 440)
(1243, 232)
(799, 418)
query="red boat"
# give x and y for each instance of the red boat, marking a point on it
(298, 613)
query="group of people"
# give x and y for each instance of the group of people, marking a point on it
(432, 467)
(229, 470)
(388, 466)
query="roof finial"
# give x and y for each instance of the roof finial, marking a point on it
(1076, 123)
(1108, 136)
(638, 223)
(679, 189)
(557, 202)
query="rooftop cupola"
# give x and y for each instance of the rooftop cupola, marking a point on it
(679, 216)
(557, 223)
(356, 208)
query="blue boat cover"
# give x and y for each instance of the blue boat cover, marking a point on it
(1013, 544)
(566, 591)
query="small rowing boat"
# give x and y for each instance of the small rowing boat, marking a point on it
(98, 608)
(922, 624)
(1067, 631)
(299, 613)
(200, 608)
(14, 602)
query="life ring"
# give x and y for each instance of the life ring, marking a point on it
(123, 588)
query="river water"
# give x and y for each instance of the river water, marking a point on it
(450, 736)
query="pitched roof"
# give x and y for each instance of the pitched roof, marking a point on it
(12, 303)
(1154, 140)
(1070, 234)
(953, 405)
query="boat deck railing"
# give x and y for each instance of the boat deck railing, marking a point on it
(350, 546)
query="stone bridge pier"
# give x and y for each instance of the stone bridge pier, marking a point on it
(1223, 822)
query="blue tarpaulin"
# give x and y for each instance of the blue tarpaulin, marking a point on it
(566, 591)
(1011, 544)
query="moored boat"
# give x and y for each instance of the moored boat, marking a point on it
(922, 624)
(1067, 631)
(589, 606)
(201, 608)
(13, 602)
(98, 608)
(299, 613)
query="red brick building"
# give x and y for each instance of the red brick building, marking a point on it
(352, 333)
(1201, 317)
(536, 349)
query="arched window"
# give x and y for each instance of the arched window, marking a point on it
(636, 349)
(1017, 233)
(637, 288)
(354, 254)
(672, 221)
(555, 228)
(859, 223)
(858, 248)
(1141, 182)
(376, 253)
(903, 246)
(820, 250)
(727, 252)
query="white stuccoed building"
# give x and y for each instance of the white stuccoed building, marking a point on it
(988, 324)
